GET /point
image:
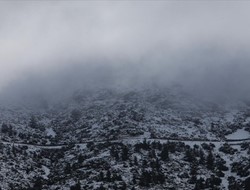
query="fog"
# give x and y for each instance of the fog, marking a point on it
(50, 49)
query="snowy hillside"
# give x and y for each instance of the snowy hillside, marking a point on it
(120, 139)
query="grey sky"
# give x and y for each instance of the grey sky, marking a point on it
(161, 38)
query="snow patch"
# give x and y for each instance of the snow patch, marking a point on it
(46, 171)
(239, 134)
(50, 132)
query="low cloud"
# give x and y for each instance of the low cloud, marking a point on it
(54, 48)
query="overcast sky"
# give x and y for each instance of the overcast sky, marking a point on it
(177, 40)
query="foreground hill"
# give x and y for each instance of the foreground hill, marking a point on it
(126, 139)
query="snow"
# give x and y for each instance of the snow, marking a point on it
(161, 122)
(231, 116)
(46, 171)
(82, 146)
(247, 121)
(50, 132)
(239, 134)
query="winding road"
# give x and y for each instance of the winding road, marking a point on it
(128, 140)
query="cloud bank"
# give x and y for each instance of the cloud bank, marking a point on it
(55, 47)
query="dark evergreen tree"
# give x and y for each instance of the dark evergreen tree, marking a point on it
(199, 184)
(76, 187)
(108, 176)
(193, 174)
(164, 153)
(152, 154)
(33, 122)
(210, 161)
(114, 152)
(134, 179)
(124, 186)
(247, 183)
(202, 157)
(80, 159)
(124, 153)
(145, 179)
(135, 161)
(38, 184)
(102, 187)
(101, 176)
(189, 156)
(5, 128)
(67, 169)
(145, 145)
(144, 163)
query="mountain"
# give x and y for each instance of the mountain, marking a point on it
(148, 138)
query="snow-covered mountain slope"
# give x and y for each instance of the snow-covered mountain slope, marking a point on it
(126, 139)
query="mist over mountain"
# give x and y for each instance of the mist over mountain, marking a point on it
(201, 73)
(54, 48)
(124, 95)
